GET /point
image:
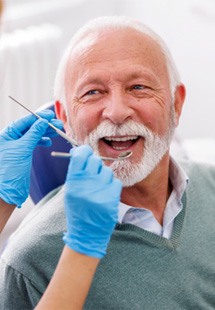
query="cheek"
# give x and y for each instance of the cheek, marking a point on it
(83, 122)
(153, 117)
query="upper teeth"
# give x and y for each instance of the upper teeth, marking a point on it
(121, 139)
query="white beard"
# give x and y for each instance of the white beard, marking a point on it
(155, 148)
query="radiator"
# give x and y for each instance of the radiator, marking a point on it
(28, 62)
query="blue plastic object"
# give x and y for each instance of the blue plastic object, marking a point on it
(91, 202)
(48, 172)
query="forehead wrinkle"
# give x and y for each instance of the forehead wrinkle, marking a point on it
(139, 74)
(88, 79)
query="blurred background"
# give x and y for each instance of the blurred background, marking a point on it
(34, 33)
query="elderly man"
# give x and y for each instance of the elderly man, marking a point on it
(117, 89)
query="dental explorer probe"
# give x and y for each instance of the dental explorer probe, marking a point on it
(122, 155)
(60, 132)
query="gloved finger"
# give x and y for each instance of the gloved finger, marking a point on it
(9, 133)
(78, 160)
(93, 165)
(19, 127)
(14, 130)
(35, 133)
(45, 141)
(47, 114)
(44, 114)
(23, 124)
(57, 123)
(106, 174)
(117, 185)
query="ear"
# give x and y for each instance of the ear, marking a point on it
(60, 112)
(180, 94)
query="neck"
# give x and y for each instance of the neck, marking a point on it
(151, 193)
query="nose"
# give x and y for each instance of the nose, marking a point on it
(117, 108)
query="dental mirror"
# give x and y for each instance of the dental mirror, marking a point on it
(122, 155)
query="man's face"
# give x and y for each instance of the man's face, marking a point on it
(120, 83)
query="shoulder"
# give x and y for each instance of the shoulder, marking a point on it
(201, 185)
(200, 169)
(16, 290)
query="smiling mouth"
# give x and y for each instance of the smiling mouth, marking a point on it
(121, 143)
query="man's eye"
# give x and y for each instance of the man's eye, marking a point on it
(92, 92)
(138, 87)
(92, 95)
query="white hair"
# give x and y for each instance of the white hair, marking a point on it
(102, 24)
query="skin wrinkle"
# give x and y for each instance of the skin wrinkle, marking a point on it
(86, 80)
(115, 101)
(160, 100)
(100, 28)
(95, 56)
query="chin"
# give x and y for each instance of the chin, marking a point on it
(127, 172)
(132, 173)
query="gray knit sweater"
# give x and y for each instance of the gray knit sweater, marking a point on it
(140, 271)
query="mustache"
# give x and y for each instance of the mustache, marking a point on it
(130, 128)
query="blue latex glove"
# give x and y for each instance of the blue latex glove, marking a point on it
(92, 197)
(17, 143)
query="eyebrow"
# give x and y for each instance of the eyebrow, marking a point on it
(89, 80)
(131, 76)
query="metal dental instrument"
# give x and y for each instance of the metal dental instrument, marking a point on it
(122, 155)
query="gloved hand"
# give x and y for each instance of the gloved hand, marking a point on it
(92, 197)
(17, 143)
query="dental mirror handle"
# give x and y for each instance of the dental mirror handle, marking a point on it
(68, 155)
